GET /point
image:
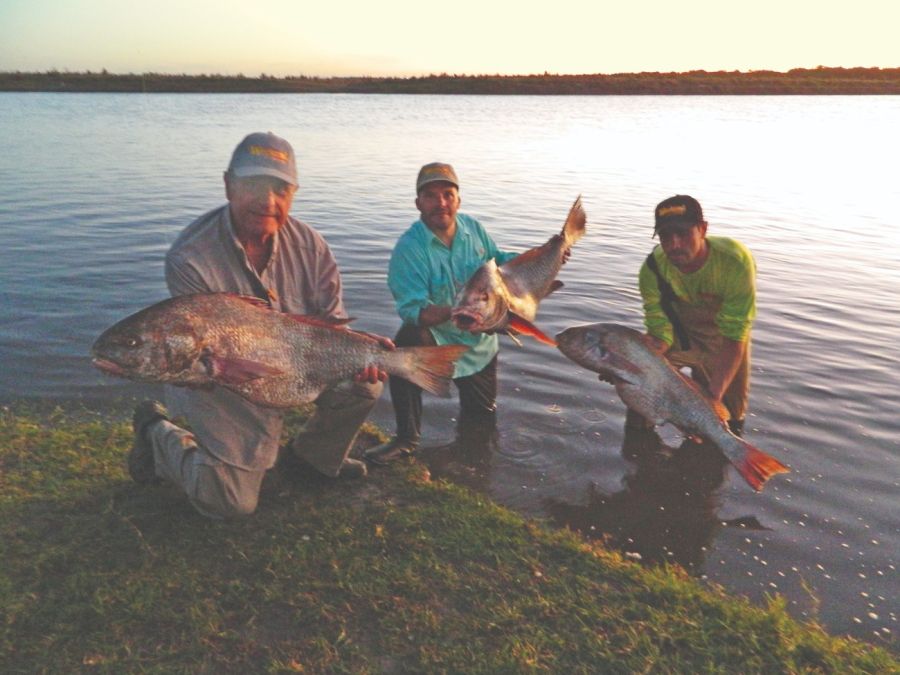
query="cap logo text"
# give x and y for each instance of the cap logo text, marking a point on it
(677, 210)
(271, 153)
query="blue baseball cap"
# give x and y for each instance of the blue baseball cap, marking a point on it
(264, 154)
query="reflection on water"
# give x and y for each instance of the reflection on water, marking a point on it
(89, 213)
(667, 509)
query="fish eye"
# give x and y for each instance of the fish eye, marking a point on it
(131, 341)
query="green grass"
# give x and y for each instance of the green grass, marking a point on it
(391, 574)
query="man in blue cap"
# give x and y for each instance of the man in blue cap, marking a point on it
(251, 246)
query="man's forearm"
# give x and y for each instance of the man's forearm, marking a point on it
(725, 367)
(432, 315)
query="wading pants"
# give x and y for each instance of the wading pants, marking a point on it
(477, 393)
(706, 343)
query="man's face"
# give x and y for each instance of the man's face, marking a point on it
(259, 204)
(438, 203)
(684, 245)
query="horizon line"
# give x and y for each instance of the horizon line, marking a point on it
(264, 75)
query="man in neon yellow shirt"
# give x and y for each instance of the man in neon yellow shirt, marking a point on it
(699, 298)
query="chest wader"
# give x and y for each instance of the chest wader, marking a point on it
(705, 343)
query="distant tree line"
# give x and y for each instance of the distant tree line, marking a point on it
(821, 80)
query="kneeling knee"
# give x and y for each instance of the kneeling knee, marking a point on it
(219, 497)
(225, 509)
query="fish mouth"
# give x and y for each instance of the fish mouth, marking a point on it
(110, 367)
(466, 320)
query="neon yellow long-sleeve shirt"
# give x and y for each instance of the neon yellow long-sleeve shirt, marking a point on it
(727, 280)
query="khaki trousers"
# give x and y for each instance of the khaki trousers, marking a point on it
(219, 490)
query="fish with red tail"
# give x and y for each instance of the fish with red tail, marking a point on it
(505, 298)
(273, 359)
(652, 387)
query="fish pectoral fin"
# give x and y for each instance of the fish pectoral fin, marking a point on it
(621, 366)
(525, 327)
(513, 335)
(236, 371)
(617, 379)
(555, 286)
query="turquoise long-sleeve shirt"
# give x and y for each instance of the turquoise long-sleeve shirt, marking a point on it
(423, 271)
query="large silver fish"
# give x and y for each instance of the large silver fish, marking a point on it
(505, 298)
(270, 358)
(652, 387)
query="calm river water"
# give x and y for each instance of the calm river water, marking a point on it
(94, 188)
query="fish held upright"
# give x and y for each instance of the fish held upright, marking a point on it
(505, 298)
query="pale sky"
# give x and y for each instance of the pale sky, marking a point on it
(403, 37)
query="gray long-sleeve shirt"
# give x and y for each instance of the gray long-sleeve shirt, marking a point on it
(301, 277)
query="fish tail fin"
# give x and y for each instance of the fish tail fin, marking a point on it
(757, 467)
(575, 224)
(430, 368)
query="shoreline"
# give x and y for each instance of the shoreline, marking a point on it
(800, 81)
(393, 573)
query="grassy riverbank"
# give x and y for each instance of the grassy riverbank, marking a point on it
(389, 574)
(798, 81)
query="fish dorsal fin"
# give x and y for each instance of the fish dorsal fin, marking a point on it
(720, 409)
(321, 321)
(717, 406)
(251, 300)
(520, 325)
(528, 256)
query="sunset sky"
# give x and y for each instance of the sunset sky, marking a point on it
(402, 37)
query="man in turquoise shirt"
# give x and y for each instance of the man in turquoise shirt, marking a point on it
(431, 262)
